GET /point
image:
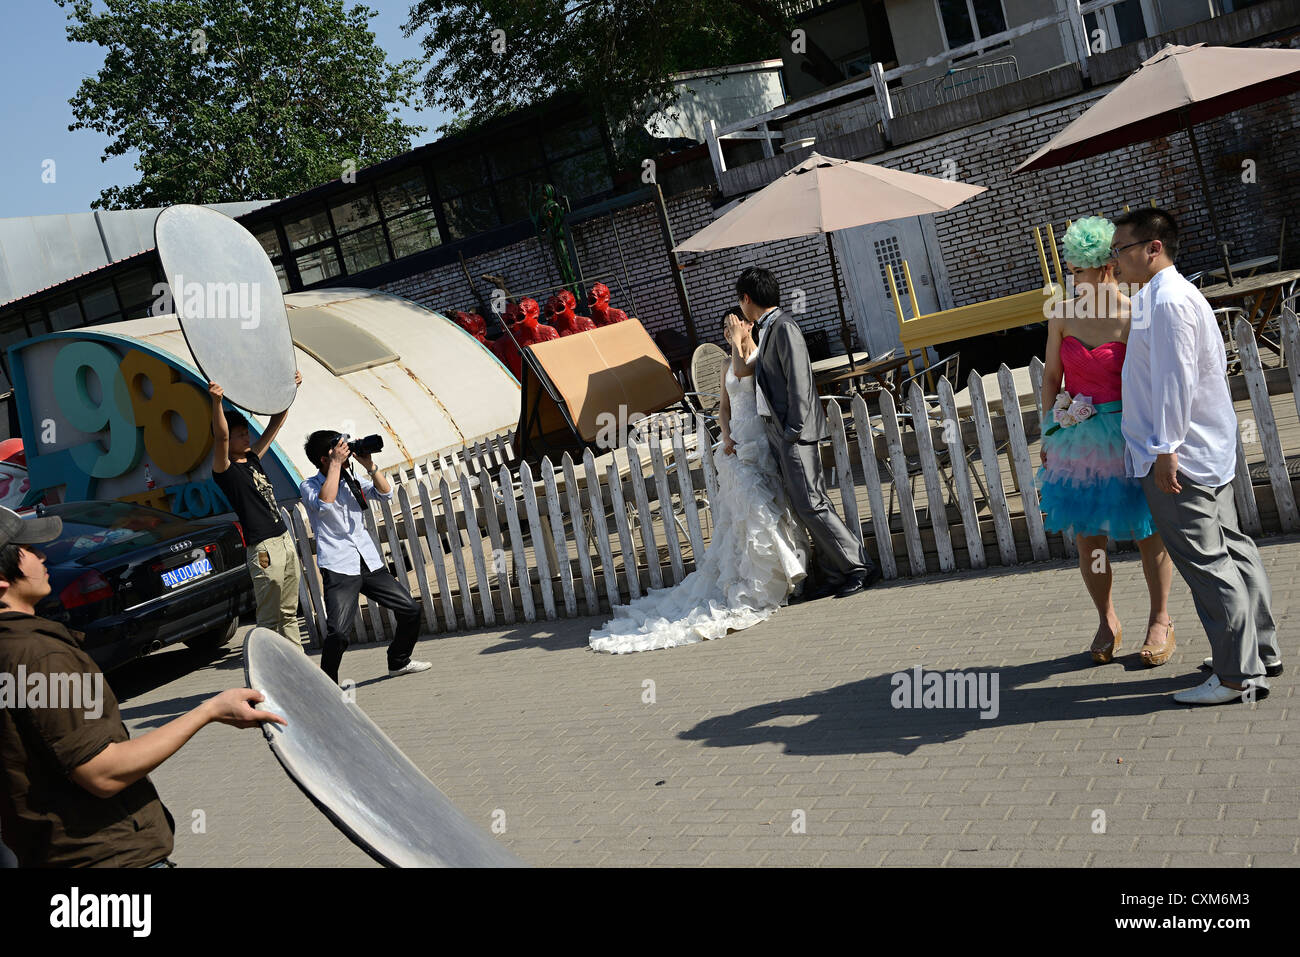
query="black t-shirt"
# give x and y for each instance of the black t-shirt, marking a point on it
(252, 497)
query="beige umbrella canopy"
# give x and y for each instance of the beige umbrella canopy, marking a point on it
(1174, 90)
(823, 194)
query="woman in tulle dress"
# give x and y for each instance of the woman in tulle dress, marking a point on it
(1083, 490)
(758, 553)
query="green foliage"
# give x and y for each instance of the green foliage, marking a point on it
(230, 100)
(618, 54)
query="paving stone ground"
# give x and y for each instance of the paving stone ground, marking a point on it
(779, 745)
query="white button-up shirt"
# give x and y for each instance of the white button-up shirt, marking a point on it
(343, 542)
(764, 410)
(1176, 396)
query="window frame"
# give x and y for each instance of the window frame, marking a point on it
(974, 22)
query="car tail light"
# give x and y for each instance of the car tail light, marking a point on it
(86, 589)
(243, 543)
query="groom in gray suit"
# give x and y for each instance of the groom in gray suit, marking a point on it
(792, 412)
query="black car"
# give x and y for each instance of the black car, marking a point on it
(135, 579)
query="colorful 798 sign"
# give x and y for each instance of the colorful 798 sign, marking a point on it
(134, 416)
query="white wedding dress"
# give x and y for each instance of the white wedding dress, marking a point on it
(757, 556)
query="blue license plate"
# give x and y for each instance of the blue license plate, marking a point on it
(187, 573)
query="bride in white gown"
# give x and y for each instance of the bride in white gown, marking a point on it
(758, 553)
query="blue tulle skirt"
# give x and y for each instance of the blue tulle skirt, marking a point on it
(1082, 490)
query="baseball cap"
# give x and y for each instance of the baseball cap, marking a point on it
(16, 530)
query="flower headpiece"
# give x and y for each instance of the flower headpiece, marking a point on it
(1087, 242)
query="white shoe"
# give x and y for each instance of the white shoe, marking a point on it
(1212, 691)
(411, 668)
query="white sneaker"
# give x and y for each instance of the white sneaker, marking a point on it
(411, 668)
(1212, 691)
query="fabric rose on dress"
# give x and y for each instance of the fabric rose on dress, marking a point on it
(1063, 417)
(1081, 408)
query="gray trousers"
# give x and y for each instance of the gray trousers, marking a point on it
(835, 548)
(1221, 566)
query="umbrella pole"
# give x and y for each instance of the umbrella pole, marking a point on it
(1209, 200)
(839, 298)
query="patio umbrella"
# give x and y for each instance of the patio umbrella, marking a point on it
(823, 194)
(1174, 90)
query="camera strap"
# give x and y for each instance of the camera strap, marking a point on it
(355, 486)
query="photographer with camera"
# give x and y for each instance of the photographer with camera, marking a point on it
(349, 561)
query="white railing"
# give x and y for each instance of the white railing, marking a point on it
(956, 83)
(485, 541)
(1069, 16)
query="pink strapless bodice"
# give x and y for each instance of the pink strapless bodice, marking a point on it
(1094, 372)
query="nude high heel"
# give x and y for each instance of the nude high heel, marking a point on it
(1154, 659)
(1106, 655)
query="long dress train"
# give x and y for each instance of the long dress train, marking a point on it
(757, 556)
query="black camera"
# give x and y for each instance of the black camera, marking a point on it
(366, 445)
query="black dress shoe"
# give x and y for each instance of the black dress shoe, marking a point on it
(858, 583)
(851, 587)
(811, 593)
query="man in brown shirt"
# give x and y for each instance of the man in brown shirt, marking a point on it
(75, 788)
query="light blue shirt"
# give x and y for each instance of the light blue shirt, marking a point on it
(342, 540)
(1176, 396)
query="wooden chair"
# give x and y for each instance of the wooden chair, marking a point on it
(994, 315)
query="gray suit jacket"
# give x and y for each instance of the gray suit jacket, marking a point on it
(786, 378)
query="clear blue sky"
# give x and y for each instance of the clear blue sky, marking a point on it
(40, 70)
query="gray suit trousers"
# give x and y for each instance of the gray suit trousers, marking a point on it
(836, 550)
(1221, 566)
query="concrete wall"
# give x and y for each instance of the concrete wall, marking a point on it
(723, 99)
(1179, 13)
(840, 32)
(918, 36)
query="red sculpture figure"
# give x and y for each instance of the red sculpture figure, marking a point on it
(566, 320)
(600, 309)
(528, 332)
(472, 323)
(600, 304)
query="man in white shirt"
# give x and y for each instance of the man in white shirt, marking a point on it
(349, 562)
(1180, 432)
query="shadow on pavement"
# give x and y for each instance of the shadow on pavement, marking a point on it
(858, 717)
(538, 635)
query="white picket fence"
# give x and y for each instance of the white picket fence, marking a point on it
(485, 541)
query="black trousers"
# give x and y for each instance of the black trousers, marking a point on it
(379, 586)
